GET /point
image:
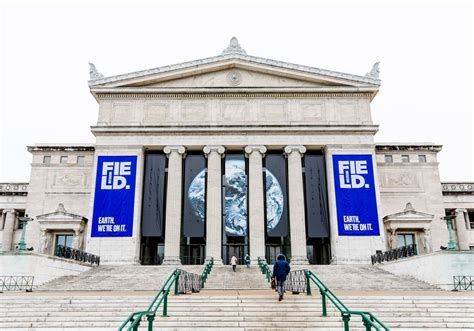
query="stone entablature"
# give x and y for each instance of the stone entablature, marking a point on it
(13, 188)
(458, 188)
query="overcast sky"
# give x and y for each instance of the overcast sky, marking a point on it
(425, 49)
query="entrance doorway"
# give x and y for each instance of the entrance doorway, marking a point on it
(318, 251)
(152, 250)
(275, 246)
(193, 251)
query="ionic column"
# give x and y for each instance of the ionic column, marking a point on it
(173, 204)
(7, 238)
(256, 203)
(463, 239)
(214, 155)
(296, 204)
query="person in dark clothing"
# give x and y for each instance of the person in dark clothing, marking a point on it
(281, 269)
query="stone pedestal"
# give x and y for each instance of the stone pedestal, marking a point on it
(9, 227)
(214, 155)
(463, 238)
(294, 154)
(256, 201)
(173, 204)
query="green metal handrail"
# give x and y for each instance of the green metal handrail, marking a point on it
(368, 319)
(262, 264)
(134, 319)
(206, 271)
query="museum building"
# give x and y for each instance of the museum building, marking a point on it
(232, 155)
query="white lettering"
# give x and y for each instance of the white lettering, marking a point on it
(113, 175)
(350, 174)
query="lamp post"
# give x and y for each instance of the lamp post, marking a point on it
(22, 244)
(452, 244)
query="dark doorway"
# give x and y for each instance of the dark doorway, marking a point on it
(318, 250)
(152, 250)
(275, 246)
(193, 252)
(234, 250)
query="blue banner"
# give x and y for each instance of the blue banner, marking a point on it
(356, 202)
(114, 196)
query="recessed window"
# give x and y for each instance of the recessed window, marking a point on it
(389, 158)
(80, 160)
(405, 158)
(46, 159)
(63, 159)
(422, 158)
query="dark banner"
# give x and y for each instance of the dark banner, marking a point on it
(276, 197)
(317, 218)
(114, 196)
(235, 196)
(194, 209)
(153, 195)
(356, 202)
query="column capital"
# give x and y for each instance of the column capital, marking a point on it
(255, 148)
(214, 149)
(461, 210)
(175, 149)
(300, 149)
(10, 210)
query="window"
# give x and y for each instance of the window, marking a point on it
(405, 239)
(405, 158)
(388, 158)
(63, 240)
(470, 216)
(80, 160)
(422, 158)
(63, 159)
(471, 248)
(46, 159)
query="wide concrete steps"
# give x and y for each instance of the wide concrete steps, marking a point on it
(365, 278)
(117, 278)
(230, 310)
(222, 277)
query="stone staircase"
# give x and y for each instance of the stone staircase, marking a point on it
(117, 278)
(102, 298)
(231, 310)
(366, 278)
(222, 277)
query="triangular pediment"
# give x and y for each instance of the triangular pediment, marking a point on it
(60, 215)
(234, 70)
(409, 214)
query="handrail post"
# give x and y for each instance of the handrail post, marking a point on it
(150, 319)
(323, 301)
(176, 281)
(308, 283)
(367, 323)
(165, 304)
(346, 318)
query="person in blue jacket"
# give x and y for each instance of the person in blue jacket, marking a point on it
(281, 269)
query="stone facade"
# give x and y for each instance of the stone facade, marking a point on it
(235, 102)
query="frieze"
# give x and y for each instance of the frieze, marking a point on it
(400, 182)
(455, 188)
(14, 188)
(228, 95)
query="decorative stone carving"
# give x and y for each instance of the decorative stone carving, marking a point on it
(211, 149)
(45, 241)
(295, 148)
(61, 208)
(234, 48)
(94, 73)
(234, 78)
(400, 180)
(175, 149)
(392, 240)
(374, 72)
(255, 148)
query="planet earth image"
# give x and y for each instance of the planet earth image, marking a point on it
(196, 192)
(235, 204)
(274, 196)
(235, 198)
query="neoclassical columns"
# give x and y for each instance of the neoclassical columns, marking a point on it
(256, 201)
(173, 204)
(9, 227)
(294, 154)
(461, 228)
(213, 203)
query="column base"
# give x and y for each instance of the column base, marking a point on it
(299, 260)
(217, 261)
(171, 260)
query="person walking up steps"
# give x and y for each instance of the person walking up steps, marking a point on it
(233, 261)
(281, 269)
(247, 260)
